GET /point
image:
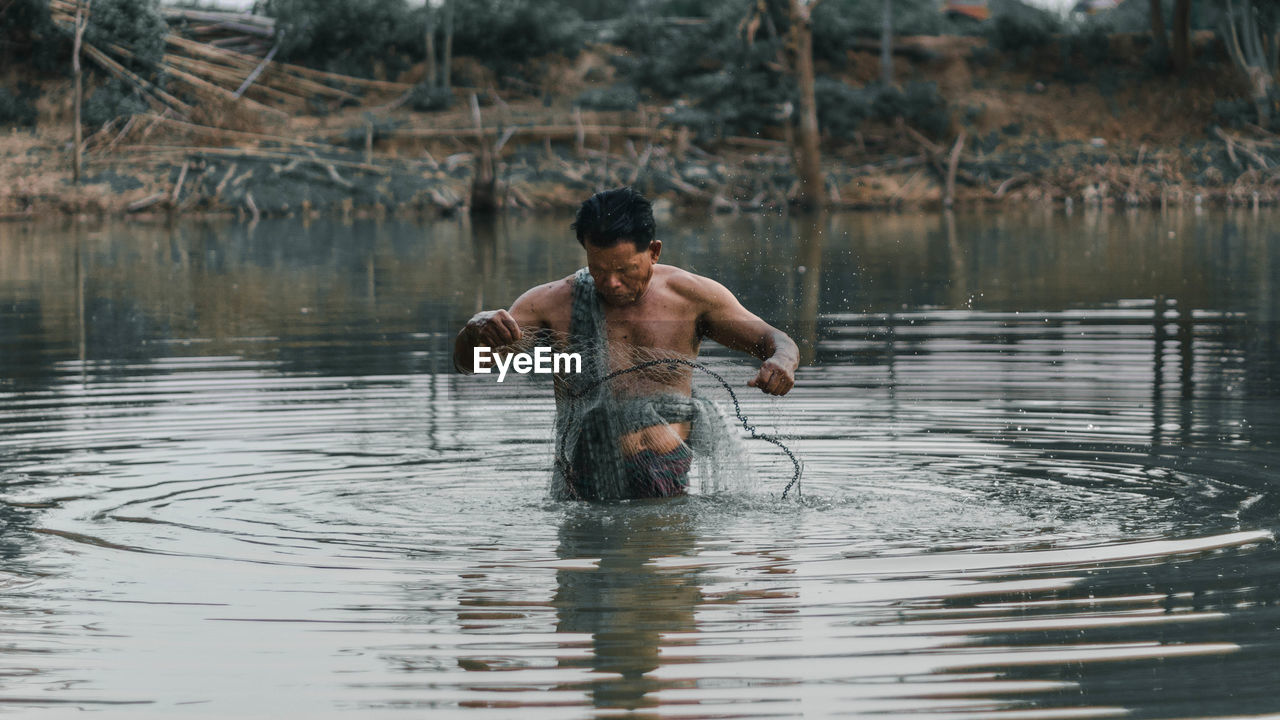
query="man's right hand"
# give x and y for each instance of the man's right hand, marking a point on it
(493, 328)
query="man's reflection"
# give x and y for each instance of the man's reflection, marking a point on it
(628, 601)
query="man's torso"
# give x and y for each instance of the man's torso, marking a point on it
(663, 323)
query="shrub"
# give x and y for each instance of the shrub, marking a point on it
(506, 33)
(1238, 112)
(27, 34)
(354, 37)
(109, 102)
(135, 25)
(842, 108)
(1082, 52)
(620, 96)
(919, 104)
(836, 23)
(15, 110)
(734, 85)
(430, 99)
(1019, 28)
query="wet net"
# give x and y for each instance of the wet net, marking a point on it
(634, 423)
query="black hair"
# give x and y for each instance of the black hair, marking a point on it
(612, 216)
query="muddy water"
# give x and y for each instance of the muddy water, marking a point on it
(239, 479)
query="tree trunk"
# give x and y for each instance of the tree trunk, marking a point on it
(1252, 59)
(1158, 34)
(430, 37)
(812, 194)
(1261, 89)
(484, 195)
(82, 22)
(1182, 36)
(446, 62)
(886, 44)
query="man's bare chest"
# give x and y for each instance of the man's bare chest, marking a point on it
(659, 322)
(655, 323)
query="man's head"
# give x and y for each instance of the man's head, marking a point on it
(616, 229)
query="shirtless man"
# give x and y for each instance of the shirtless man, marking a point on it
(645, 304)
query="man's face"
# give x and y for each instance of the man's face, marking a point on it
(622, 274)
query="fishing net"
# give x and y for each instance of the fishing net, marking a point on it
(640, 422)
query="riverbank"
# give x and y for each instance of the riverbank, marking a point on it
(1019, 133)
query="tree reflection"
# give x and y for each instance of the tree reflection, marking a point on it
(810, 242)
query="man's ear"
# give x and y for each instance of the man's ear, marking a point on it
(655, 250)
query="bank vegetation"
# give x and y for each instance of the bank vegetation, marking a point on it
(373, 106)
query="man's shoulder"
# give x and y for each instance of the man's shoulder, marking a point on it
(691, 286)
(553, 291)
(545, 304)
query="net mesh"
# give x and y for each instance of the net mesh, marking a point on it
(634, 423)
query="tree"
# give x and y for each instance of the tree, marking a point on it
(1251, 31)
(1180, 57)
(446, 55)
(812, 192)
(82, 22)
(886, 44)
(1158, 33)
(1181, 36)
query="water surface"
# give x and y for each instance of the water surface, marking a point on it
(238, 477)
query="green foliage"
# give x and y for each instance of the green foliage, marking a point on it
(736, 85)
(836, 23)
(505, 33)
(597, 9)
(357, 37)
(135, 25)
(1135, 17)
(112, 100)
(1239, 112)
(919, 104)
(620, 96)
(353, 37)
(15, 108)
(1083, 52)
(842, 109)
(1019, 28)
(430, 99)
(27, 34)
(1129, 17)
(355, 137)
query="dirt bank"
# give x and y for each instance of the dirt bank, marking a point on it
(1021, 130)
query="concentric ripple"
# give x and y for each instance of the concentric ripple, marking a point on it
(1006, 512)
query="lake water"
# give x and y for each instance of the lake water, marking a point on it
(239, 479)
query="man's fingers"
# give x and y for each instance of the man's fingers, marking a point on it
(763, 380)
(772, 380)
(510, 325)
(501, 330)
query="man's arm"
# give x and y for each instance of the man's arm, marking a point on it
(727, 322)
(499, 328)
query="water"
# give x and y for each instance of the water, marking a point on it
(239, 479)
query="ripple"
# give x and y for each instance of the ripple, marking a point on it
(1001, 514)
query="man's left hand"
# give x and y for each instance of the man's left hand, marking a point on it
(774, 378)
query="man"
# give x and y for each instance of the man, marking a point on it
(625, 299)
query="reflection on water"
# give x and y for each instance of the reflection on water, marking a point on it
(625, 602)
(237, 477)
